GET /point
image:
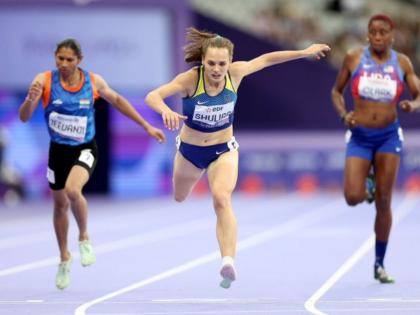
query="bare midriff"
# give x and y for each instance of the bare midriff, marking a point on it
(195, 137)
(370, 114)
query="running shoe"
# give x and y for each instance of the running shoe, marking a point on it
(87, 255)
(370, 188)
(381, 275)
(62, 279)
(228, 274)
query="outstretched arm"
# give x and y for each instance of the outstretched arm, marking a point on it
(155, 98)
(124, 106)
(31, 101)
(241, 69)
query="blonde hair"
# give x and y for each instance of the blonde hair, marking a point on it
(199, 41)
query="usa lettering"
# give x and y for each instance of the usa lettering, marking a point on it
(376, 76)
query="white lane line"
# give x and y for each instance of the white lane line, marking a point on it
(218, 312)
(403, 210)
(136, 240)
(21, 301)
(321, 213)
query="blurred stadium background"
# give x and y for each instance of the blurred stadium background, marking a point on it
(290, 136)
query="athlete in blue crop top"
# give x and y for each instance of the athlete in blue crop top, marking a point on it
(68, 95)
(206, 139)
(377, 74)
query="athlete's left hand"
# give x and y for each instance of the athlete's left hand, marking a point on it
(156, 133)
(317, 50)
(407, 106)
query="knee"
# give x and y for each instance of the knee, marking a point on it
(383, 201)
(353, 199)
(179, 198)
(61, 207)
(73, 193)
(221, 201)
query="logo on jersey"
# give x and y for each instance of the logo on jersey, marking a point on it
(57, 102)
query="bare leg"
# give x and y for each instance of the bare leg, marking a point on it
(386, 173)
(77, 178)
(61, 222)
(355, 172)
(185, 177)
(222, 176)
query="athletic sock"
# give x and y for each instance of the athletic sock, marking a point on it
(380, 249)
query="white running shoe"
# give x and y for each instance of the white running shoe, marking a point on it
(87, 255)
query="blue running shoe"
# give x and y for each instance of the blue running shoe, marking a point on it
(370, 188)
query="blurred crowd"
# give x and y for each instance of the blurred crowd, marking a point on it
(340, 23)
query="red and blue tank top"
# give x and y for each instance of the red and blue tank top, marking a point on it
(378, 82)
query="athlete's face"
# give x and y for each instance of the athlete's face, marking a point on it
(67, 61)
(380, 35)
(216, 63)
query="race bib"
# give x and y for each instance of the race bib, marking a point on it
(68, 126)
(377, 87)
(87, 157)
(213, 116)
(50, 176)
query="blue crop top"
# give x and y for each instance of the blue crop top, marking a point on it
(210, 113)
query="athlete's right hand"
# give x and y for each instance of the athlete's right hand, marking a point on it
(349, 120)
(35, 92)
(171, 119)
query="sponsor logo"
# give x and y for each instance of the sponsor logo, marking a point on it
(201, 103)
(57, 102)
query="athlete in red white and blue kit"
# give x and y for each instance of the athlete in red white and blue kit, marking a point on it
(377, 74)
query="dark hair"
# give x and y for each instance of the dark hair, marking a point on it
(72, 44)
(200, 41)
(382, 17)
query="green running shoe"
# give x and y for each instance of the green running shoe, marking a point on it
(370, 188)
(62, 279)
(87, 256)
(381, 275)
